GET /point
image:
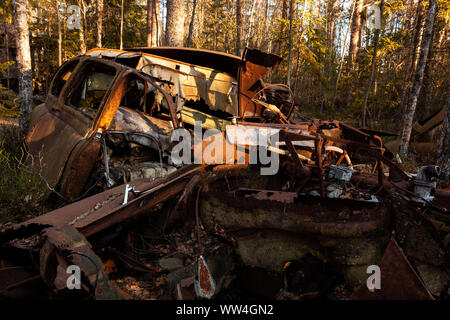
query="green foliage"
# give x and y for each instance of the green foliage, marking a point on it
(23, 192)
(8, 103)
(319, 53)
(219, 31)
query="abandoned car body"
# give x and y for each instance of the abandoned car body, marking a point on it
(107, 124)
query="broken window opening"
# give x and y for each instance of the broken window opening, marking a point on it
(143, 97)
(62, 77)
(90, 92)
(131, 156)
(136, 140)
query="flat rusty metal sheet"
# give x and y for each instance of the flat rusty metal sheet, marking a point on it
(399, 281)
(95, 213)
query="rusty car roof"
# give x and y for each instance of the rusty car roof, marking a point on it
(220, 61)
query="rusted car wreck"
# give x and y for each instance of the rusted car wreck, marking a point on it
(337, 205)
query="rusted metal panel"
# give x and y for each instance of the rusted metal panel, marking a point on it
(54, 136)
(442, 198)
(73, 249)
(100, 211)
(399, 281)
(50, 142)
(79, 167)
(236, 201)
(101, 220)
(113, 102)
(218, 90)
(224, 62)
(270, 209)
(189, 81)
(254, 66)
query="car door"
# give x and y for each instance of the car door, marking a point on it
(61, 141)
(51, 139)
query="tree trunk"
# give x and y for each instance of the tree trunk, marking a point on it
(341, 63)
(83, 22)
(409, 60)
(99, 23)
(262, 30)
(58, 17)
(149, 22)
(23, 62)
(278, 43)
(291, 20)
(191, 24)
(6, 43)
(238, 27)
(372, 67)
(175, 23)
(355, 33)
(121, 26)
(419, 35)
(300, 37)
(153, 23)
(251, 22)
(330, 30)
(418, 78)
(443, 156)
(425, 95)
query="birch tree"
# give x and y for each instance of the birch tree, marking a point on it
(25, 76)
(58, 17)
(443, 156)
(99, 23)
(418, 78)
(121, 25)
(82, 25)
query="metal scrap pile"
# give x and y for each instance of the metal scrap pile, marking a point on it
(336, 206)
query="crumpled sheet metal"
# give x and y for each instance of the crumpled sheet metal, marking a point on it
(217, 89)
(312, 215)
(399, 281)
(74, 249)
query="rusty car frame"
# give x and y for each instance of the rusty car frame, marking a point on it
(102, 139)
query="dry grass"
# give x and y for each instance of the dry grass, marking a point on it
(23, 194)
